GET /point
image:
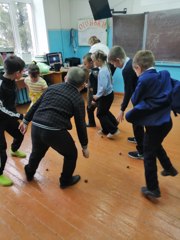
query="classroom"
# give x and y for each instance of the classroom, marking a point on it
(111, 200)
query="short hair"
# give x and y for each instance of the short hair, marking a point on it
(93, 40)
(13, 64)
(116, 52)
(33, 70)
(76, 76)
(144, 58)
(88, 57)
(100, 55)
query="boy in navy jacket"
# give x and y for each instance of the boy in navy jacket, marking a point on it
(152, 107)
(118, 58)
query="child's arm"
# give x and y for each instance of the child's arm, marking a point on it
(139, 93)
(102, 84)
(44, 84)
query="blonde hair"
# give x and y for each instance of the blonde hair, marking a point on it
(116, 52)
(93, 40)
(99, 55)
(144, 58)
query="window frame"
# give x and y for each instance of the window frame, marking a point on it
(12, 13)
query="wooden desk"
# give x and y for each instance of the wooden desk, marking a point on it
(51, 77)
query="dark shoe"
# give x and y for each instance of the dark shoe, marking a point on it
(171, 172)
(90, 125)
(132, 140)
(29, 175)
(136, 155)
(151, 193)
(75, 179)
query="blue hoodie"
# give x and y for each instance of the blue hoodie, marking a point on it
(151, 99)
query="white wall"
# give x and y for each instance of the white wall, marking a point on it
(154, 5)
(81, 8)
(64, 14)
(57, 14)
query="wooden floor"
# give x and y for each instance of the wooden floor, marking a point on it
(105, 205)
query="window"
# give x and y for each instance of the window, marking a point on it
(17, 31)
(6, 31)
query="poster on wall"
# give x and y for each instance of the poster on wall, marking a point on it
(90, 27)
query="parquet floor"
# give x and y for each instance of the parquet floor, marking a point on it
(105, 205)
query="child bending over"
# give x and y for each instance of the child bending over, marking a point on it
(152, 107)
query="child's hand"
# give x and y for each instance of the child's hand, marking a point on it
(23, 128)
(95, 97)
(93, 102)
(120, 116)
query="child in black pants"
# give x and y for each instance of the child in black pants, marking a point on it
(152, 106)
(105, 96)
(91, 88)
(13, 67)
(118, 58)
(51, 121)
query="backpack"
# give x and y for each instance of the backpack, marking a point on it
(175, 104)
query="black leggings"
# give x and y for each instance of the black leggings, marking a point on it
(106, 118)
(11, 127)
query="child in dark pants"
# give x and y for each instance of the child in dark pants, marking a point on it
(91, 88)
(50, 117)
(9, 117)
(105, 96)
(118, 58)
(152, 106)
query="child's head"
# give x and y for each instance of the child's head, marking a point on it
(143, 60)
(13, 67)
(33, 71)
(117, 56)
(93, 40)
(99, 58)
(76, 76)
(87, 61)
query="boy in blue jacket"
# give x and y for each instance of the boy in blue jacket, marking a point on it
(152, 107)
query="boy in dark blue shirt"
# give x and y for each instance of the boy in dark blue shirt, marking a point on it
(152, 107)
(91, 88)
(118, 58)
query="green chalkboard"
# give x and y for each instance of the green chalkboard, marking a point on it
(128, 32)
(163, 34)
(156, 31)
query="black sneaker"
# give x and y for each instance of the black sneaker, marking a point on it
(135, 155)
(132, 140)
(29, 175)
(151, 193)
(75, 179)
(171, 172)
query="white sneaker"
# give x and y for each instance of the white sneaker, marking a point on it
(100, 132)
(110, 135)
